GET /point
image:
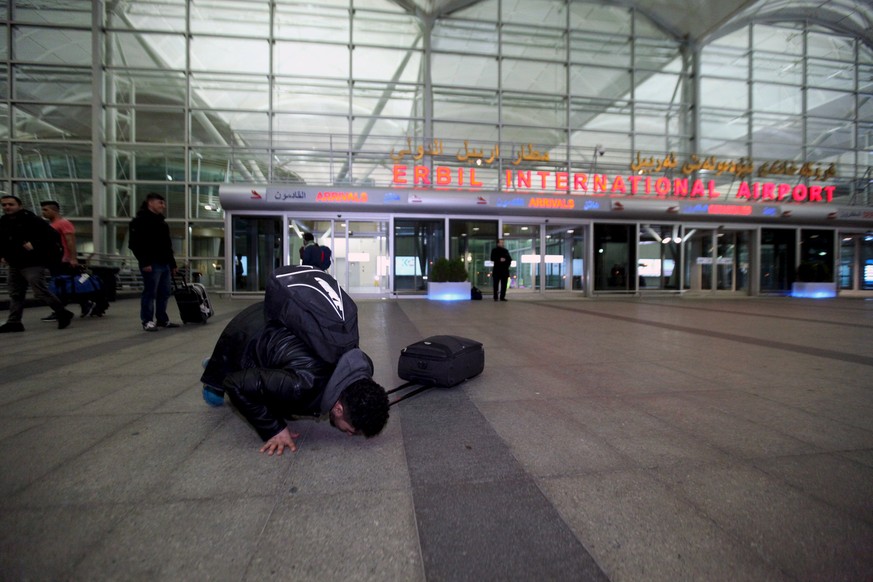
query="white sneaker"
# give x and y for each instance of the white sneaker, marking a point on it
(150, 326)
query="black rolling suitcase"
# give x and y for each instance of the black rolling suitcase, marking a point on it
(193, 302)
(440, 360)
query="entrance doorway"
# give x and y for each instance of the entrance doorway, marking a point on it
(418, 242)
(716, 260)
(257, 251)
(359, 249)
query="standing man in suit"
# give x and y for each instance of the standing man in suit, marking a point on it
(500, 272)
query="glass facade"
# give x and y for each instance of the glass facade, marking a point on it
(104, 102)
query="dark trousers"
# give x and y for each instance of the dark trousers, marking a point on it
(156, 289)
(35, 278)
(500, 282)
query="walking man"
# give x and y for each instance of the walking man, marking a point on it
(153, 248)
(30, 246)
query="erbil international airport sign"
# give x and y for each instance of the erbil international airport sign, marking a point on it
(766, 190)
(639, 182)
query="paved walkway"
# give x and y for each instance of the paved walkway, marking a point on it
(625, 440)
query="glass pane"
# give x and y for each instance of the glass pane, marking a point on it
(543, 12)
(465, 105)
(387, 30)
(831, 74)
(464, 37)
(698, 249)
(471, 241)
(417, 244)
(543, 43)
(614, 257)
(129, 50)
(605, 50)
(816, 255)
(166, 15)
(35, 121)
(722, 61)
(777, 260)
(76, 12)
(366, 256)
(66, 47)
(523, 243)
(232, 18)
(133, 87)
(537, 77)
(75, 198)
(867, 261)
(305, 60)
(782, 99)
(847, 262)
(147, 125)
(257, 251)
(779, 40)
(234, 55)
(226, 91)
(724, 93)
(52, 84)
(658, 257)
(309, 21)
(482, 69)
(599, 82)
(565, 250)
(53, 161)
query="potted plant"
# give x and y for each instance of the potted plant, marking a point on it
(814, 279)
(447, 280)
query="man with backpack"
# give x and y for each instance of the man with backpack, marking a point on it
(313, 254)
(30, 246)
(296, 354)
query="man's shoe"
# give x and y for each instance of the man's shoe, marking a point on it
(65, 318)
(504, 299)
(168, 324)
(149, 326)
(50, 317)
(88, 308)
(12, 326)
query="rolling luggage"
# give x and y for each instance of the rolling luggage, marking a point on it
(193, 302)
(441, 360)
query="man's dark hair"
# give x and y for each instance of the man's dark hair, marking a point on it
(16, 198)
(51, 203)
(366, 406)
(307, 236)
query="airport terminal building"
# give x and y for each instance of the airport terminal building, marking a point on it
(618, 147)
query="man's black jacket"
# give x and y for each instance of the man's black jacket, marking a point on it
(25, 226)
(270, 374)
(150, 239)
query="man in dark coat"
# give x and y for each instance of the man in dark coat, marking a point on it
(500, 272)
(153, 248)
(270, 374)
(30, 246)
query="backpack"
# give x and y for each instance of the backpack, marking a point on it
(325, 257)
(311, 304)
(317, 256)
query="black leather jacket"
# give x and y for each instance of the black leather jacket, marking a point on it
(276, 376)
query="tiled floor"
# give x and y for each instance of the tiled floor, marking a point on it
(624, 440)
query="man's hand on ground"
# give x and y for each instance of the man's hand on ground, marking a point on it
(279, 441)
